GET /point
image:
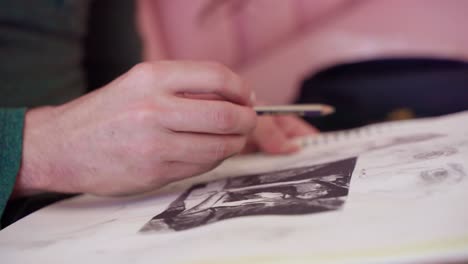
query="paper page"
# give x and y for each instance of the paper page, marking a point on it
(394, 195)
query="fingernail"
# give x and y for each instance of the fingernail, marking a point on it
(253, 97)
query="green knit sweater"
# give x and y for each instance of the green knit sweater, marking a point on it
(11, 128)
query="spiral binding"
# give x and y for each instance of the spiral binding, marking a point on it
(345, 135)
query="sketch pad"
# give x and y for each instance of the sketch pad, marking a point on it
(388, 193)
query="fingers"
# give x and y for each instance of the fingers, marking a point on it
(206, 78)
(293, 126)
(250, 146)
(274, 134)
(206, 116)
(203, 148)
(271, 139)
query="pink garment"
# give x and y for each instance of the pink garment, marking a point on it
(274, 44)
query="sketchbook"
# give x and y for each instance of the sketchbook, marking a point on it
(394, 192)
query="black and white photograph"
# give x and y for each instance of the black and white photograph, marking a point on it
(296, 191)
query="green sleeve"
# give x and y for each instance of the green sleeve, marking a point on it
(11, 141)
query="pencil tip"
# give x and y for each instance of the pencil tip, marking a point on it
(327, 109)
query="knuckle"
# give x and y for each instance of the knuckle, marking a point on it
(251, 122)
(144, 77)
(220, 73)
(218, 68)
(221, 150)
(143, 131)
(225, 120)
(148, 114)
(143, 69)
(226, 147)
(142, 117)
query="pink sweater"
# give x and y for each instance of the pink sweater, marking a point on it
(274, 44)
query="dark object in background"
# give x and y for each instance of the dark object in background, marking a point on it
(112, 45)
(387, 89)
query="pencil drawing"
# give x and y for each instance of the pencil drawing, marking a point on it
(432, 154)
(296, 191)
(417, 180)
(398, 156)
(453, 173)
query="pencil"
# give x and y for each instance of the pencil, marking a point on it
(308, 110)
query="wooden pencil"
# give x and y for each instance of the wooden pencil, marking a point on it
(307, 110)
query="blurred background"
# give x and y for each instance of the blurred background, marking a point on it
(373, 60)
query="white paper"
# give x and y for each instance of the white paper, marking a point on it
(406, 202)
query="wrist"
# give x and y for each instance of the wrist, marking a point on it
(35, 170)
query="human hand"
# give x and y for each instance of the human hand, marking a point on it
(276, 134)
(137, 133)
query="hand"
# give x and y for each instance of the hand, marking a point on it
(276, 134)
(139, 132)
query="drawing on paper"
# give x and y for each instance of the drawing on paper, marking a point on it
(303, 190)
(425, 168)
